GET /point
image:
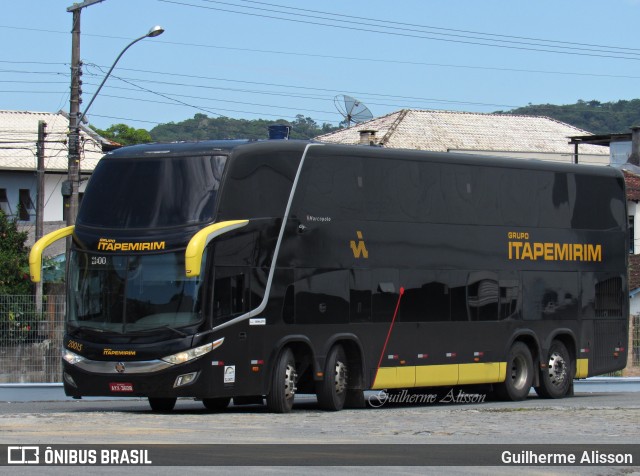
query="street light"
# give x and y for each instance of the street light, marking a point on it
(155, 31)
(75, 121)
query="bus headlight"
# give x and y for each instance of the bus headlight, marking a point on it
(187, 355)
(71, 357)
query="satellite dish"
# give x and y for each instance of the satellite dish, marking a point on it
(353, 111)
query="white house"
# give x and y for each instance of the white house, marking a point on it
(18, 162)
(18, 165)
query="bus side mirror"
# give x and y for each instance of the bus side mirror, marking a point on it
(199, 241)
(35, 255)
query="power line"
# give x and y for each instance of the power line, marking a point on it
(402, 33)
(403, 24)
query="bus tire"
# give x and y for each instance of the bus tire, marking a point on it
(332, 391)
(216, 404)
(283, 383)
(557, 377)
(162, 405)
(519, 374)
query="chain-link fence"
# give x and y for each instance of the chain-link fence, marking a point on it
(31, 335)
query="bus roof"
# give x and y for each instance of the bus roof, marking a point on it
(226, 146)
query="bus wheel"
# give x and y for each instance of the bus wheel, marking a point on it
(332, 391)
(283, 383)
(519, 374)
(556, 379)
(162, 404)
(216, 404)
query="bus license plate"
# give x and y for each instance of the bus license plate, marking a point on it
(121, 387)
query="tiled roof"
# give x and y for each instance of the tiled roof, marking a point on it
(632, 181)
(19, 134)
(462, 131)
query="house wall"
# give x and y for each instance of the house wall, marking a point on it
(13, 181)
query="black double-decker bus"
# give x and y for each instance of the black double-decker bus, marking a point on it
(245, 270)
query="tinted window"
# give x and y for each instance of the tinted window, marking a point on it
(152, 192)
(332, 187)
(258, 185)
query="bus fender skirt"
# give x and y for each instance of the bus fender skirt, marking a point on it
(526, 335)
(529, 337)
(293, 340)
(352, 338)
(563, 331)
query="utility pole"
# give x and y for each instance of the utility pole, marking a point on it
(40, 174)
(73, 178)
(40, 200)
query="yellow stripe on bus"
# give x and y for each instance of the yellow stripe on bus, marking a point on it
(439, 375)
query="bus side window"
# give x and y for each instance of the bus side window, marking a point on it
(321, 296)
(386, 290)
(360, 295)
(509, 294)
(229, 294)
(483, 296)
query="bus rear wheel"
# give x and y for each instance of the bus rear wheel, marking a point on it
(519, 374)
(332, 391)
(216, 404)
(162, 404)
(283, 383)
(557, 377)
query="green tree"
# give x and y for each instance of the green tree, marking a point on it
(202, 127)
(593, 116)
(14, 258)
(125, 135)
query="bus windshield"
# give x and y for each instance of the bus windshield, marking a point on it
(130, 294)
(152, 192)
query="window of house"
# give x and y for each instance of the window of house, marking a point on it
(4, 202)
(632, 249)
(25, 207)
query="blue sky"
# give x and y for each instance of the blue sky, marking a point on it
(274, 59)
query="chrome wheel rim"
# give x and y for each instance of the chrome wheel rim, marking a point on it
(557, 369)
(519, 372)
(290, 377)
(340, 379)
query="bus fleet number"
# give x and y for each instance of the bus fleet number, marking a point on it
(98, 260)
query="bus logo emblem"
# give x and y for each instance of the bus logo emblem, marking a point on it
(120, 368)
(359, 249)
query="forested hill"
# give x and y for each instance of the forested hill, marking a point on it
(592, 116)
(202, 127)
